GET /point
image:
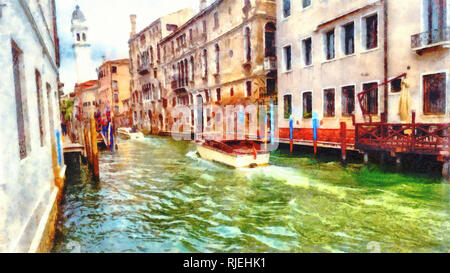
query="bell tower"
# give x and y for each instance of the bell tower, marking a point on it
(82, 47)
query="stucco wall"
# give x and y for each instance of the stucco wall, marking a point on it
(25, 185)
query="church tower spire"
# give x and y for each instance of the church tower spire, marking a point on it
(81, 46)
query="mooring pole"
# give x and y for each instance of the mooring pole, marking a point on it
(366, 158)
(291, 133)
(344, 141)
(446, 169)
(87, 145)
(398, 162)
(94, 148)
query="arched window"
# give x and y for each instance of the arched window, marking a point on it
(192, 68)
(269, 37)
(204, 64)
(84, 37)
(151, 55)
(217, 58)
(78, 36)
(248, 45)
(186, 70)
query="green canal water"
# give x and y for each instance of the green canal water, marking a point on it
(156, 195)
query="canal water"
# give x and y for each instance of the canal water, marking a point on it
(157, 195)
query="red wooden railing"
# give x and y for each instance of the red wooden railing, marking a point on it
(421, 138)
(363, 97)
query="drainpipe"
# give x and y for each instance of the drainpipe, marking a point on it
(386, 64)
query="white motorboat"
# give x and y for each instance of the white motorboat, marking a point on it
(237, 154)
(127, 133)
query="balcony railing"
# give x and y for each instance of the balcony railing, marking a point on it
(435, 37)
(179, 84)
(144, 69)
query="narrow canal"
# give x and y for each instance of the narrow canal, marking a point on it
(156, 195)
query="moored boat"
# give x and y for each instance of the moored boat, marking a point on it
(237, 153)
(127, 133)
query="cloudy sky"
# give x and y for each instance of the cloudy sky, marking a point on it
(109, 24)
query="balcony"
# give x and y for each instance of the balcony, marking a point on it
(270, 63)
(144, 69)
(433, 38)
(177, 85)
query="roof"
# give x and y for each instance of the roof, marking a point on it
(86, 85)
(198, 15)
(78, 15)
(118, 61)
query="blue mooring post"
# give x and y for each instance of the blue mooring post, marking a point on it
(316, 126)
(272, 124)
(291, 132)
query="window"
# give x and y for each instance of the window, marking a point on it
(370, 32)
(286, 8)
(231, 92)
(78, 37)
(21, 109)
(434, 87)
(116, 109)
(371, 99)
(114, 69)
(349, 39)
(329, 102)
(396, 85)
(307, 105)
(114, 84)
(218, 94)
(270, 48)
(151, 55)
(40, 104)
(307, 51)
(287, 58)
(248, 88)
(192, 68)
(205, 64)
(84, 37)
(116, 97)
(204, 26)
(287, 106)
(216, 19)
(271, 83)
(217, 58)
(50, 109)
(191, 37)
(306, 3)
(329, 45)
(348, 100)
(435, 19)
(248, 45)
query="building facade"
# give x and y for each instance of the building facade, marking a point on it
(367, 71)
(114, 86)
(145, 67)
(216, 58)
(86, 102)
(31, 160)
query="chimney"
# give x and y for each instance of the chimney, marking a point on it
(133, 25)
(203, 4)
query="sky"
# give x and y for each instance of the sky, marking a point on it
(109, 28)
